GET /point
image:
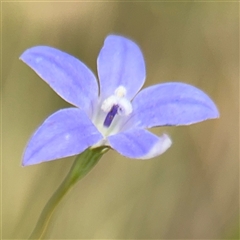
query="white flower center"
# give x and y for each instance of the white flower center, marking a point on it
(116, 104)
(111, 113)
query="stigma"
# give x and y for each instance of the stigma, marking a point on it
(116, 104)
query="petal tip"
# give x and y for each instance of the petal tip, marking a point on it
(217, 114)
(214, 113)
(27, 161)
(24, 164)
(159, 148)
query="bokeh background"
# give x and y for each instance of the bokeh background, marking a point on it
(192, 190)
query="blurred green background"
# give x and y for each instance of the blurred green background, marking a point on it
(189, 192)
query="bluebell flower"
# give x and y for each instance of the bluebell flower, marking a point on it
(113, 114)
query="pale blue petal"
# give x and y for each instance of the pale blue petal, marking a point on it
(139, 143)
(120, 63)
(171, 104)
(65, 74)
(65, 133)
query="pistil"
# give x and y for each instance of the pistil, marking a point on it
(116, 104)
(110, 116)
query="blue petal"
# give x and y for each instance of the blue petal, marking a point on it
(65, 133)
(171, 104)
(120, 63)
(65, 74)
(139, 143)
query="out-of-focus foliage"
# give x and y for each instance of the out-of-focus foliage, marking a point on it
(190, 192)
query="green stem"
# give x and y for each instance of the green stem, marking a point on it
(82, 165)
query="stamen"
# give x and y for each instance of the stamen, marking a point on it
(125, 107)
(109, 118)
(116, 104)
(108, 103)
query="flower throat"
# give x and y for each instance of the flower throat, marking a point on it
(116, 104)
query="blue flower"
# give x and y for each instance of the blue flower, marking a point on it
(111, 114)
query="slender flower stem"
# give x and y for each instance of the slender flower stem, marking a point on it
(82, 165)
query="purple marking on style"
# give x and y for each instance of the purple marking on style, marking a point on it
(109, 118)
